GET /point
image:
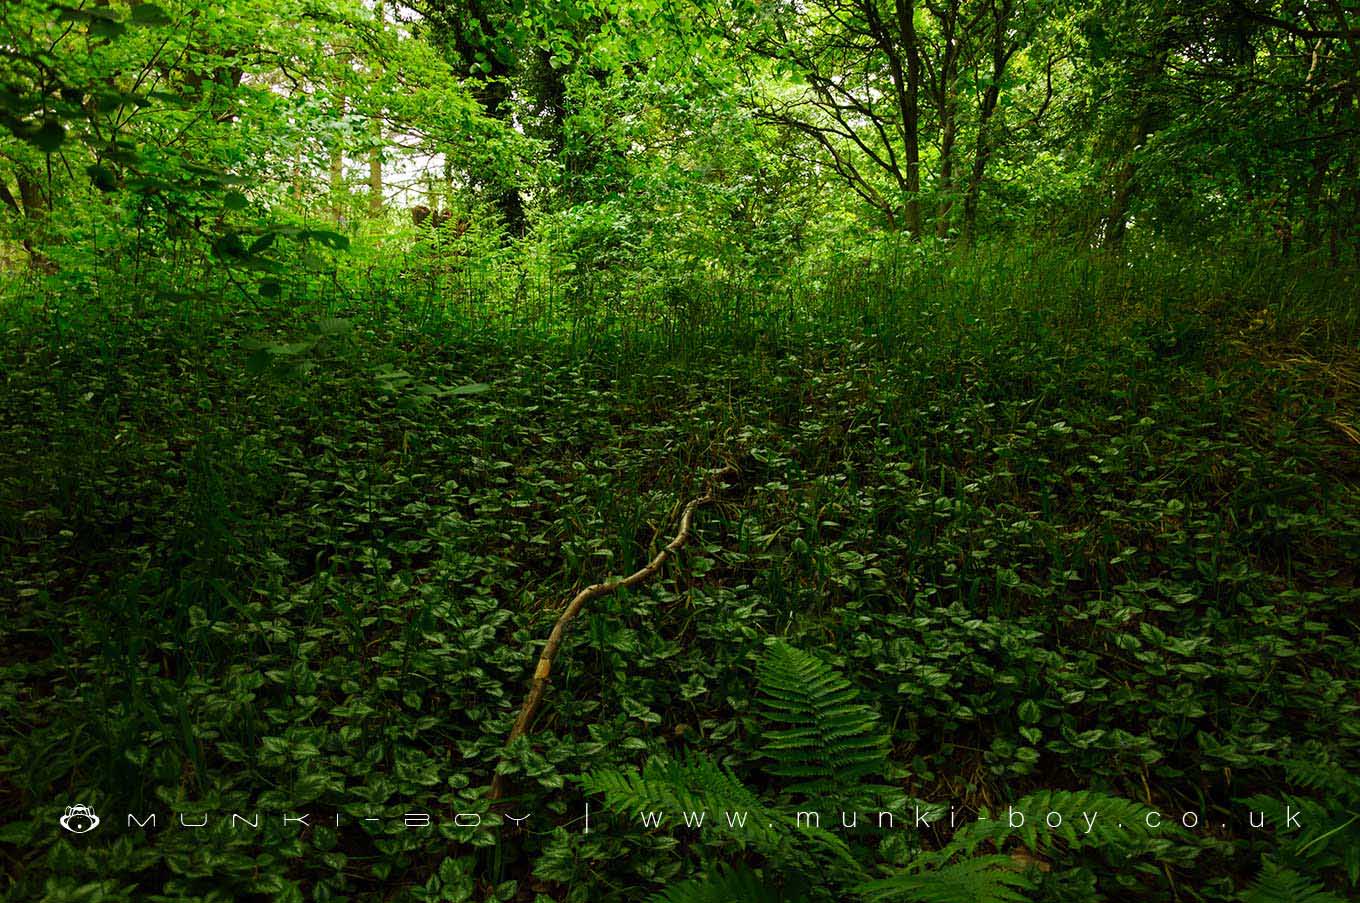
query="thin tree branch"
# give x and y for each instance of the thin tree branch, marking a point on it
(543, 671)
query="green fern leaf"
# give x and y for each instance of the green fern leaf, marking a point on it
(1088, 819)
(698, 784)
(1314, 769)
(1281, 885)
(1329, 833)
(983, 879)
(729, 886)
(821, 737)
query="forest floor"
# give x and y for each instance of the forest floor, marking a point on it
(306, 560)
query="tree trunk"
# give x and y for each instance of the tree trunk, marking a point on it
(991, 97)
(945, 91)
(981, 153)
(1312, 203)
(298, 176)
(375, 183)
(496, 99)
(337, 171)
(1352, 191)
(465, 27)
(1116, 216)
(948, 134)
(911, 116)
(35, 205)
(337, 184)
(1125, 182)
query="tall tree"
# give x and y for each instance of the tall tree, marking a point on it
(942, 85)
(375, 159)
(1005, 37)
(859, 63)
(483, 40)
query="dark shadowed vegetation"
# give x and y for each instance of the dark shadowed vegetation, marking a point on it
(1013, 348)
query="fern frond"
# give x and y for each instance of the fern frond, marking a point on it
(696, 783)
(1281, 885)
(728, 886)
(1313, 769)
(673, 786)
(821, 736)
(1089, 819)
(1327, 836)
(1321, 832)
(983, 879)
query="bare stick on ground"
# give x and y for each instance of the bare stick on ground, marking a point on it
(595, 591)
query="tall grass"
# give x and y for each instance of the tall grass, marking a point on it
(895, 291)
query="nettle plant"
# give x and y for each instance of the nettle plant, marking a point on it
(828, 748)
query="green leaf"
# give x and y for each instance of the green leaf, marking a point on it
(726, 885)
(995, 879)
(229, 245)
(1282, 885)
(333, 240)
(104, 178)
(49, 136)
(18, 833)
(149, 14)
(107, 28)
(258, 362)
(819, 735)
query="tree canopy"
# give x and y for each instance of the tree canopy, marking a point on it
(802, 122)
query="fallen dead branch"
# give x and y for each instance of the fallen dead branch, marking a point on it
(543, 671)
(1345, 429)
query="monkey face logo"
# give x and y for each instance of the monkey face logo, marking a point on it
(79, 819)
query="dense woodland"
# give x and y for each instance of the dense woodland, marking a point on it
(493, 408)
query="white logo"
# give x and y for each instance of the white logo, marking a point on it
(79, 819)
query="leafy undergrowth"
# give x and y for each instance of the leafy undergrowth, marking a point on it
(305, 565)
